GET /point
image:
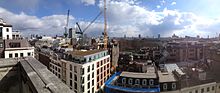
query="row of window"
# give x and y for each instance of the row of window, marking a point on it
(137, 81)
(165, 86)
(102, 62)
(21, 54)
(203, 90)
(92, 58)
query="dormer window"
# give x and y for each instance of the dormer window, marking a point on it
(123, 80)
(151, 82)
(130, 81)
(144, 82)
(137, 81)
(173, 85)
(165, 86)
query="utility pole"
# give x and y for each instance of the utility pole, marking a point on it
(105, 27)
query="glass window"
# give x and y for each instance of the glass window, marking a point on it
(92, 66)
(75, 85)
(165, 86)
(75, 77)
(93, 82)
(16, 54)
(21, 54)
(92, 74)
(71, 68)
(71, 75)
(7, 29)
(29, 54)
(151, 82)
(202, 90)
(88, 85)
(88, 69)
(213, 88)
(88, 77)
(71, 83)
(10, 55)
(75, 69)
(173, 85)
(208, 89)
(123, 80)
(137, 81)
(144, 82)
(130, 81)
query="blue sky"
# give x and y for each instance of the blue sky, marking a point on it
(125, 17)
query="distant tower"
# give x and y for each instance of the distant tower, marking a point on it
(158, 36)
(139, 36)
(105, 27)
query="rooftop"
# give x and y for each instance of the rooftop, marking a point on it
(138, 75)
(85, 52)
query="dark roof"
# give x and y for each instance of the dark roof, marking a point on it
(23, 42)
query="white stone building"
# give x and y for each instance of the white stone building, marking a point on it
(83, 71)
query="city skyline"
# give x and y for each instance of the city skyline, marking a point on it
(125, 17)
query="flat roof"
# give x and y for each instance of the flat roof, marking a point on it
(85, 52)
(166, 77)
(138, 75)
(172, 67)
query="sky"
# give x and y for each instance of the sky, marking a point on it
(124, 17)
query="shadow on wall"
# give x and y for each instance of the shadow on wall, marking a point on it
(10, 80)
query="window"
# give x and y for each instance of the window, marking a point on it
(16, 54)
(92, 74)
(21, 54)
(208, 89)
(71, 75)
(82, 79)
(196, 91)
(137, 81)
(92, 66)
(165, 86)
(71, 68)
(82, 71)
(93, 82)
(1, 45)
(151, 82)
(7, 36)
(75, 77)
(97, 64)
(29, 54)
(123, 80)
(75, 69)
(144, 82)
(88, 70)
(173, 85)
(88, 77)
(71, 83)
(7, 30)
(10, 55)
(88, 85)
(82, 87)
(213, 88)
(202, 90)
(93, 90)
(130, 81)
(75, 85)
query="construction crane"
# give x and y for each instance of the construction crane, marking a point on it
(67, 23)
(105, 27)
(81, 31)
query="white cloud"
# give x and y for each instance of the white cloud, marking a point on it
(158, 6)
(173, 3)
(88, 2)
(48, 25)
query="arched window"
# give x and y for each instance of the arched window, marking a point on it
(7, 30)
(165, 86)
(144, 82)
(173, 85)
(151, 82)
(130, 81)
(123, 80)
(137, 81)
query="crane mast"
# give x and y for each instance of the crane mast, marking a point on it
(105, 27)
